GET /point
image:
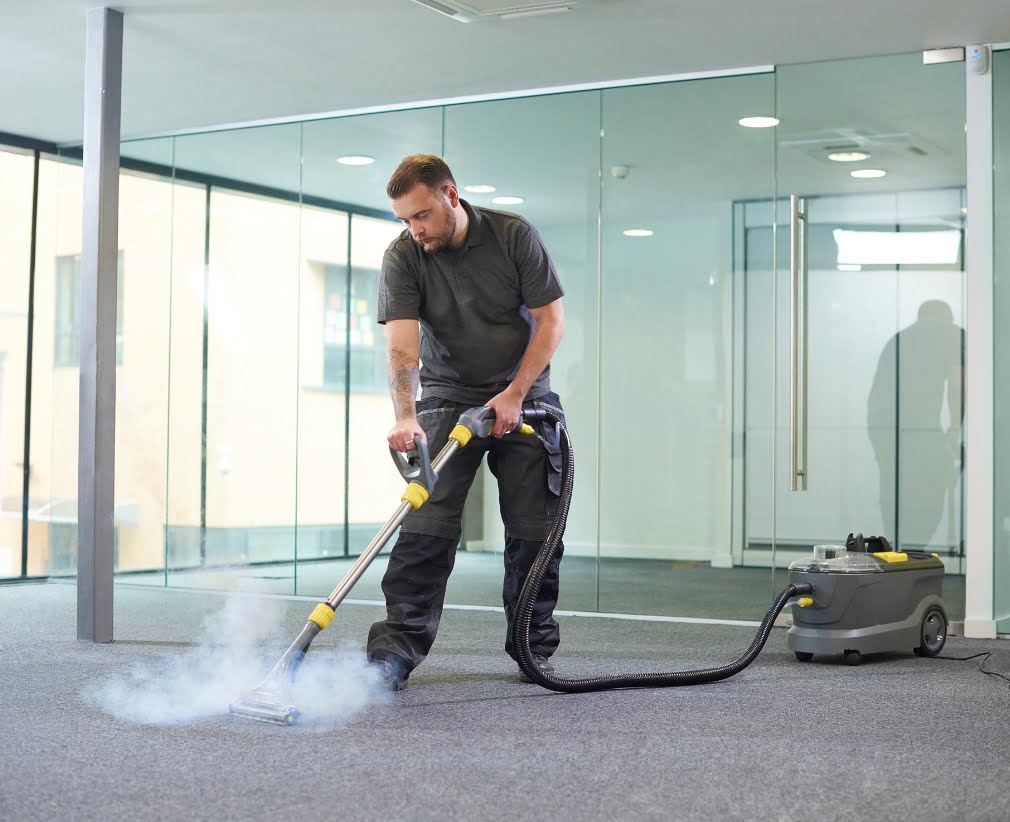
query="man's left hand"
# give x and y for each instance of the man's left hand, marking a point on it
(508, 410)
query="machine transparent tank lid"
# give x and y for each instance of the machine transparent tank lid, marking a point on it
(836, 560)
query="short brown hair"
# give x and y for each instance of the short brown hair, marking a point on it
(418, 168)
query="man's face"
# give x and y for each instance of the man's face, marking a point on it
(428, 215)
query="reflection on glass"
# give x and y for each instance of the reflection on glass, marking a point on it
(917, 389)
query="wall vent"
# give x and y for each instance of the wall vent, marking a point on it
(475, 10)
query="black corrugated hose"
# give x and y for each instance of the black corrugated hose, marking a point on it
(524, 611)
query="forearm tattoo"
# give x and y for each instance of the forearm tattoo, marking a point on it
(403, 381)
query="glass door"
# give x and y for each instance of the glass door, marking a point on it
(861, 414)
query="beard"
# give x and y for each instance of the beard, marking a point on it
(433, 243)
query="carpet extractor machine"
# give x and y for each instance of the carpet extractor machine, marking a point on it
(867, 598)
(842, 602)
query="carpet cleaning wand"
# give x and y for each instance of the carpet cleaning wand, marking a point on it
(269, 701)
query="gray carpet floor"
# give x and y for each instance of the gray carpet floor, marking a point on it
(897, 738)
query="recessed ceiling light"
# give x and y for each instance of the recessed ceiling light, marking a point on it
(356, 160)
(848, 156)
(759, 122)
(868, 173)
(639, 232)
(508, 200)
(479, 189)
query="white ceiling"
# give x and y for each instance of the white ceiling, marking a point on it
(190, 64)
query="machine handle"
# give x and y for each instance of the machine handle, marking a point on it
(478, 421)
(415, 466)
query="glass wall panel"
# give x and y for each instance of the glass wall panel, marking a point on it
(677, 167)
(185, 378)
(348, 486)
(252, 404)
(16, 183)
(161, 233)
(321, 382)
(877, 149)
(52, 526)
(544, 150)
(1001, 334)
(242, 351)
(375, 485)
(142, 338)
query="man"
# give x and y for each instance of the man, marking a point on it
(472, 310)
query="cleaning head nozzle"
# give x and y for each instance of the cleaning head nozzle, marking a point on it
(266, 706)
(268, 701)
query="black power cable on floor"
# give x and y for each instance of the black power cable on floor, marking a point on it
(985, 655)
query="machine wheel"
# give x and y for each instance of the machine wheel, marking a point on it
(803, 656)
(932, 632)
(853, 658)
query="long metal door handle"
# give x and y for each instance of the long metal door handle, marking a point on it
(797, 343)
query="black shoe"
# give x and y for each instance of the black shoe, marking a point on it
(392, 672)
(543, 665)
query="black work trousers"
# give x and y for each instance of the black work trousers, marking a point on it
(529, 484)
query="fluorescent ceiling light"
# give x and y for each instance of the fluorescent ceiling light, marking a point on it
(849, 267)
(356, 160)
(759, 122)
(848, 156)
(479, 189)
(508, 200)
(897, 248)
(868, 173)
(639, 232)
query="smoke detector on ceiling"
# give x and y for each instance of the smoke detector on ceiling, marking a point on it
(476, 10)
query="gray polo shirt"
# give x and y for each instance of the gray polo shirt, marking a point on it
(473, 304)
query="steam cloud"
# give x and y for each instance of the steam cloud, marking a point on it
(237, 647)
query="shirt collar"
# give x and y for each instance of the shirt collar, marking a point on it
(475, 230)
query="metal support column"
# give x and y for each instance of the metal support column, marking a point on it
(99, 264)
(979, 619)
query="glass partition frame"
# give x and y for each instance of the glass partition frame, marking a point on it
(275, 167)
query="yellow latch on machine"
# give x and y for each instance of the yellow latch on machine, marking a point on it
(805, 602)
(892, 556)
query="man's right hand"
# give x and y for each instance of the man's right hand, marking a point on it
(401, 436)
